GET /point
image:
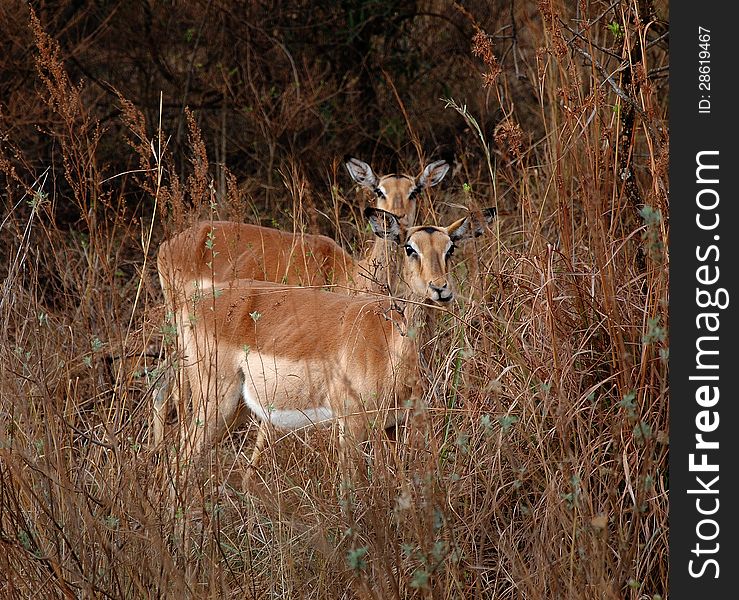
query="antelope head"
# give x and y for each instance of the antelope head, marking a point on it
(397, 194)
(428, 250)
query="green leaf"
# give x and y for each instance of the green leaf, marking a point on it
(420, 579)
(355, 558)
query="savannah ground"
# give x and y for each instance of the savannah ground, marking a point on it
(536, 465)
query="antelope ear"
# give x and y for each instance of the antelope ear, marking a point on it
(468, 227)
(384, 224)
(361, 172)
(433, 174)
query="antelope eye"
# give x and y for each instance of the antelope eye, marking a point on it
(409, 250)
(379, 193)
(450, 252)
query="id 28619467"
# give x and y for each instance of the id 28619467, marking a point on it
(704, 70)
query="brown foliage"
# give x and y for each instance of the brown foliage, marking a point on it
(536, 466)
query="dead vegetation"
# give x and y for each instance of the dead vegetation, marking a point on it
(537, 465)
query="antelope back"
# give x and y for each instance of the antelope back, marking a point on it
(215, 252)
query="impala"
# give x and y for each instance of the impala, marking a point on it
(211, 253)
(297, 357)
(214, 252)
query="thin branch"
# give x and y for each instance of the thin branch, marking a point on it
(579, 34)
(619, 92)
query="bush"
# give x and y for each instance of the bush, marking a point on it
(536, 465)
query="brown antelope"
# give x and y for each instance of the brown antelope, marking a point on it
(212, 253)
(297, 357)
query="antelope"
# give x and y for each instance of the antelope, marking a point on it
(301, 357)
(212, 253)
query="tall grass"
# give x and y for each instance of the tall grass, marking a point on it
(535, 466)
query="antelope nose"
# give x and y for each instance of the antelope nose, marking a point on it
(442, 292)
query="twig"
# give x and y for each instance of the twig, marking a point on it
(619, 92)
(579, 34)
(658, 39)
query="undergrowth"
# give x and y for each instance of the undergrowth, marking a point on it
(535, 466)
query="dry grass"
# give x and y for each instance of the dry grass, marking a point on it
(535, 468)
